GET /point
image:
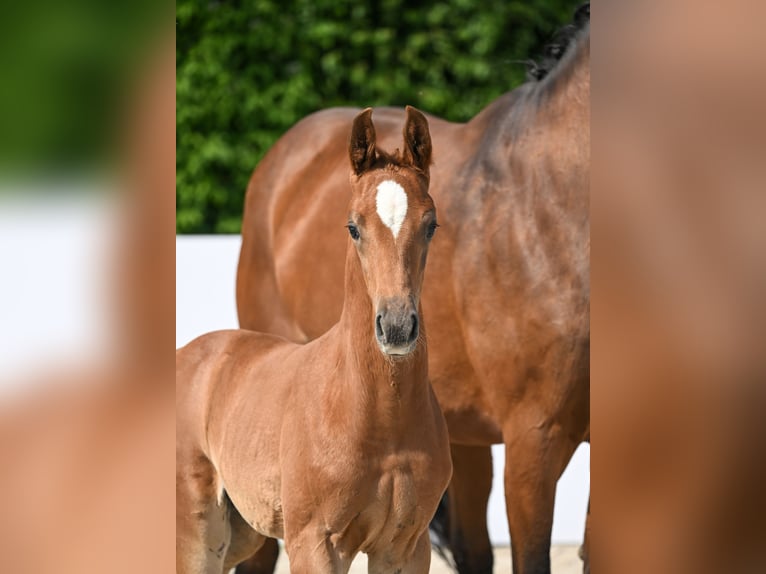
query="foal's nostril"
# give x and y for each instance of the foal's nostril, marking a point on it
(414, 330)
(378, 327)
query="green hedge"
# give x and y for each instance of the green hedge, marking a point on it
(65, 70)
(247, 71)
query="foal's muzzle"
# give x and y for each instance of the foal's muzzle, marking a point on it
(397, 326)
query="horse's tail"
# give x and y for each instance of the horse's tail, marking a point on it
(260, 306)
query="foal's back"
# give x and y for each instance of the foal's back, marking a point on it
(208, 364)
(242, 375)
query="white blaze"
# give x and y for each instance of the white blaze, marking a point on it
(391, 203)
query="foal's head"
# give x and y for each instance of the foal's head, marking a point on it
(391, 222)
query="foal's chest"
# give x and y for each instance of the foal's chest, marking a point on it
(396, 505)
(399, 494)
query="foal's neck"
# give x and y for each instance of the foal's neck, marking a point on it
(377, 378)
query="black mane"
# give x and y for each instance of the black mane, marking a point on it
(561, 42)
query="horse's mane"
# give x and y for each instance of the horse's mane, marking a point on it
(562, 40)
(550, 73)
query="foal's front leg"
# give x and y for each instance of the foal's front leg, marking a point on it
(312, 552)
(203, 532)
(417, 563)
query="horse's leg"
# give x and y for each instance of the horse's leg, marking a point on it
(585, 548)
(468, 498)
(418, 563)
(534, 460)
(246, 546)
(264, 561)
(202, 525)
(310, 552)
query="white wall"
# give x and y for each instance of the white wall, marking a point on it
(205, 301)
(55, 300)
(206, 267)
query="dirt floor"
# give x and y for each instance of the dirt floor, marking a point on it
(564, 560)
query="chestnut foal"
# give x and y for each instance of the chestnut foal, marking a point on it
(338, 446)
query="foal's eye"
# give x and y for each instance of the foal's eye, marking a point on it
(431, 230)
(353, 231)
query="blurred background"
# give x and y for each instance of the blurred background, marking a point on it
(68, 71)
(87, 137)
(80, 86)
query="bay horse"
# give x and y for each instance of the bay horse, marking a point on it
(509, 297)
(338, 446)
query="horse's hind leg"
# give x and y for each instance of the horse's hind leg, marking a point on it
(246, 546)
(534, 460)
(585, 548)
(202, 524)
(264, 561)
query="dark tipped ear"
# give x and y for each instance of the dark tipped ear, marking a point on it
(361, 146)
(417, 140)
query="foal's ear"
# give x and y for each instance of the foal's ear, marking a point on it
(417, 140)
(361, 146)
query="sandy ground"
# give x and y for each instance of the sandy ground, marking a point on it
(564, 560)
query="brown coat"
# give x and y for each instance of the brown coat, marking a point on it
(337, 446)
